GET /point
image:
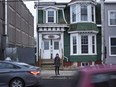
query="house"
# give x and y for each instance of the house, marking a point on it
(70, 29)
(17, 31)
(110, 32)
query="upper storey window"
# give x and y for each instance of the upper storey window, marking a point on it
(50, 16)
(74, 13)
(84, 13)
(112, 18)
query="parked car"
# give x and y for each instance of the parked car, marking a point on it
(17, 74)
(95, 76)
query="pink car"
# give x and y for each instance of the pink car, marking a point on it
(95, 76)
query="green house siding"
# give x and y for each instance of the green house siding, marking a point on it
(67, 14)
(99, 45)
(66, 44)
(98, 13)
(40, 16)
(60, 17)
(81, 58)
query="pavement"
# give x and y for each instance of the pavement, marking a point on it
(50, 74)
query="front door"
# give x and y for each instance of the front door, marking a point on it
(51, 48)
(46, 49)
(56, 48)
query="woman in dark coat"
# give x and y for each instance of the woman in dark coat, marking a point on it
(57, 64)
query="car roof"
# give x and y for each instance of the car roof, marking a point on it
(98, 68)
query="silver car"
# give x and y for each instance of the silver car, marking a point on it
(17, 74)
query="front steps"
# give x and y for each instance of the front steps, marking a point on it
(49, 64)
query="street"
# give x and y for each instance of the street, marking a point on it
(55, 83)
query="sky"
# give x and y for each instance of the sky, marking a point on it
(30, 6)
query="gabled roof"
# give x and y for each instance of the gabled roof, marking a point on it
(85, 26)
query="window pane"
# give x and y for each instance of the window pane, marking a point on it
(56, 45)
(113, 46)
(112, 18)
(83, 12)
(74, 44)
(93, 44)
(50, 16)
(46, 45)
(73, 13)
(84, 44)
(92, 13)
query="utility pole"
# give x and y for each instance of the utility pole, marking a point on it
(103, 32)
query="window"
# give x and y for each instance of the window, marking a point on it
(92, 9)
(84, 44)
(113, 45)
(8, 66)
(50, 16)
(93, 44)
(74, 13)
(84, 12)
(46, 45)
(85, 64)
(74, 45)
(112, 18)
(56, 45)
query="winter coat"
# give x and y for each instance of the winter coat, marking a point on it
(57, 61)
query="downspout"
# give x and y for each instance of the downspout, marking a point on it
(4, 37)
(64, 16)
(5, 32)
(103, 32)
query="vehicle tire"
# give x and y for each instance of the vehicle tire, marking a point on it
(16, 82)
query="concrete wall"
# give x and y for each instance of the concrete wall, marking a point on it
(20, 25)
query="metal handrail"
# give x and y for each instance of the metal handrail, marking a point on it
(66, 58)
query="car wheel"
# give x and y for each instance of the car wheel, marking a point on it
(17, 82)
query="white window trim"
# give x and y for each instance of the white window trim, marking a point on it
(71, 45)
(110, 45)
(79, 44)
(47, 15)
(109, 17)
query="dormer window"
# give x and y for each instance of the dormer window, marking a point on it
(84, 13)
(50, 16)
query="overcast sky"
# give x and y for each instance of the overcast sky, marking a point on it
(30, 6)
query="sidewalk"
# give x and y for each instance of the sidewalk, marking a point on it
(50, 74)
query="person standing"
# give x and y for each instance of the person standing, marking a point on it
(57, 64)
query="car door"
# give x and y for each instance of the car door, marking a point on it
(5, 73)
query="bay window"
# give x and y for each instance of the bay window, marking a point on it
(83, 44)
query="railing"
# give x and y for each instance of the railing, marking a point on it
(66, 58)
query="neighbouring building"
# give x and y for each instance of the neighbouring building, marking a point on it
(19, 31)
(110, 32)
(70, 29)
